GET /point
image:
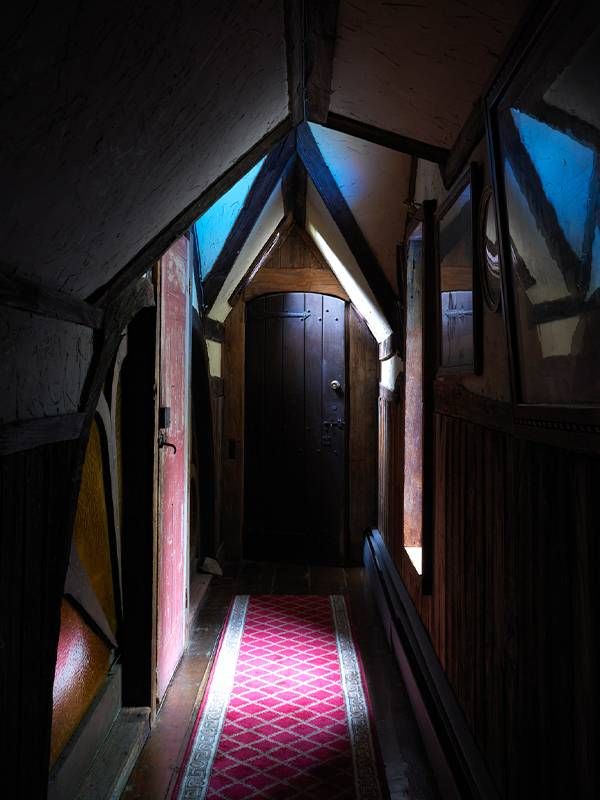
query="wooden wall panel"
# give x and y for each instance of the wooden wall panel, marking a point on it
(34, 490)
(362, 441)
(232, 506)
(514, 588)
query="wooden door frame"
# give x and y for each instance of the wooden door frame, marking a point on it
(345, 538)
(156, 701)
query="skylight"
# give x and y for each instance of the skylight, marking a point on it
(214, 226)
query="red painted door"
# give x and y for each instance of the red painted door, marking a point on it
(173, 465)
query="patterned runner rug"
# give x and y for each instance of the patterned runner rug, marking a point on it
(285, 714)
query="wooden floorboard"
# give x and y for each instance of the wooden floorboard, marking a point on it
(407, 771)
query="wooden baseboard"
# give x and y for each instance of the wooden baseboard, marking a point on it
(456, 760)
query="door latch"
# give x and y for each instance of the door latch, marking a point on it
(162, 441)
(328, 426)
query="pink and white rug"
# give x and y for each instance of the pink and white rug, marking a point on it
(286, 713)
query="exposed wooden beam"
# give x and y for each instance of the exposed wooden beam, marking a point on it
(325, 184)
(288, 180)
(214, 330)
(24, 294)
(217, 386)
(299, 208)
(293, 12)
(272, 244)
(152, 251)
(390, 346)
(320, 34)
(264, 183)
(293, 186)
(468, 138)
(18, 436)
(385, 138)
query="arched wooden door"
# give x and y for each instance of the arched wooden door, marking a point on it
(295, 481)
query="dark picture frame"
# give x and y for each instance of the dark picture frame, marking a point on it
(459, 345)
(420, 226)
(540, 117)
(490, 263)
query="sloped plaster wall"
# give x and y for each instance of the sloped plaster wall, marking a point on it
(116, 116)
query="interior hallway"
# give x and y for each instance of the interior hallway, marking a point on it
(407, 771)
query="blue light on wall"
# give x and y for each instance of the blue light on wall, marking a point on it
(214, 226)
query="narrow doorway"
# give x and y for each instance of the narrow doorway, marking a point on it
(295, 481)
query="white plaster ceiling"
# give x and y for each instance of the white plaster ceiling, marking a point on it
(374, 182)
(116, 116)
(418, 68)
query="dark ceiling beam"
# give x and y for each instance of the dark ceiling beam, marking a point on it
(293, 12)
(27, 434)
(288, 190)
(320, 33)
(299, 205)
(214, 330)
(17, 292)
(264, 184)
(389, 139)
(293, 188)
(325, 184)
(177, 227)
(271, 246)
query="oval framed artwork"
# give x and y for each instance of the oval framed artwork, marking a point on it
(489, 260)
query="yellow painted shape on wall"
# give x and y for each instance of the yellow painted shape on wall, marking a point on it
(91, 527)
(82, 664)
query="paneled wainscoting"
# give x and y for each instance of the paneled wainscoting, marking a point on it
(510, 616)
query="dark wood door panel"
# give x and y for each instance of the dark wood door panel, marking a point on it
(295, 427)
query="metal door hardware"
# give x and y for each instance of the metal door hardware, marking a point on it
(162, 441)
(328, 426)
(335, 385)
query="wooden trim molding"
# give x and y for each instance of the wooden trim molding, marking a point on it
(17, 292)
(18, 436)
(567, 428)
(456, 760)
(385, 138)
(271, 246)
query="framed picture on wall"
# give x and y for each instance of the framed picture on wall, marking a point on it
(459, 341)
(544, 131)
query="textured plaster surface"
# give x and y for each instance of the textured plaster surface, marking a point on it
(418, 68)
(116, 116)
(43, 365)
(374, 182)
